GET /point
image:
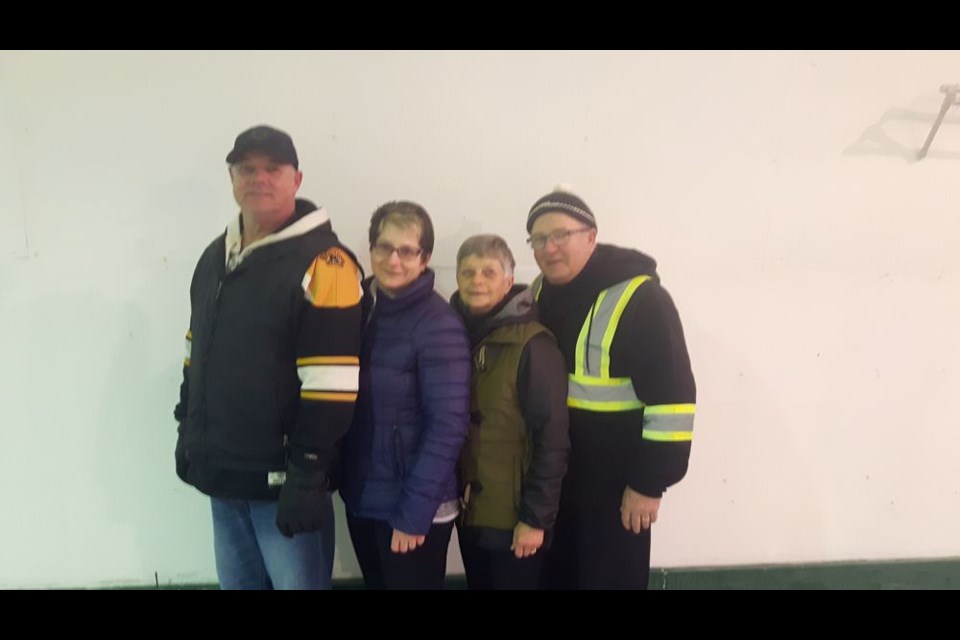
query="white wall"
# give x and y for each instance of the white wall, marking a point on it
(814, 263)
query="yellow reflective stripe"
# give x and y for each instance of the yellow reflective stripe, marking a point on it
(186, 362)
(614, 321)
(668, 436)
(189, 335)
(655, 409)
(597, 322)
(328, 360)
(330, 396)
(669, 422)
(599, 405)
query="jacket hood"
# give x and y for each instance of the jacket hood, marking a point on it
(607, 266)
(611, 264)
(516, 307)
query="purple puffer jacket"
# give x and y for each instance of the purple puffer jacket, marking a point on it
(400, 455)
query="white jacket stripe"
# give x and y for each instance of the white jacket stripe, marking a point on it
(329, 377)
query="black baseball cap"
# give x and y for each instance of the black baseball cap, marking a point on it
(273, 142)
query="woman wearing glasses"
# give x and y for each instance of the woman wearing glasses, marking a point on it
(516, 453)
(399, 483)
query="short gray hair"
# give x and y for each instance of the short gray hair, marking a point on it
(487, 245)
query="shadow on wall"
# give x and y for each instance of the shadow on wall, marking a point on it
(902, 133)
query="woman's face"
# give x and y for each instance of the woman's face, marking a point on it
(482, 283)
(397, 257)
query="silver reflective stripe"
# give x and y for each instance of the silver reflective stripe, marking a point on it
(597, 324)
(601, 324)
(611, 390)
(667, 421)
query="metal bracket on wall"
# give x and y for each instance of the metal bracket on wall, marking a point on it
(949, 99)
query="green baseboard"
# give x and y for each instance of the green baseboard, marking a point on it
(931, 574)
(867, 575)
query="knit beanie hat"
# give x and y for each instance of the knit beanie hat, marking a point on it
(561, 200)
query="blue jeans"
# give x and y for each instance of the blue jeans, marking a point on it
(251, 552)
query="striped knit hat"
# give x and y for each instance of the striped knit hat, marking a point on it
(561, 200)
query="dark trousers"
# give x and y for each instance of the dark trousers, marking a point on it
(592, 550)
(498, 568)
(423, 568)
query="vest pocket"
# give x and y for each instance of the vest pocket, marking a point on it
(496, 492)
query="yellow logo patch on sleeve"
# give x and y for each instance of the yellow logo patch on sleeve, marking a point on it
(332, 280)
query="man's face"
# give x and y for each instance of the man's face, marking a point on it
(561, 245)
(264, 188)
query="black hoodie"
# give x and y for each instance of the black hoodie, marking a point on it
(608, 449)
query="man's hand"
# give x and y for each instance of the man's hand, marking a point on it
(526, 540)
(404, 542)
(637, 511)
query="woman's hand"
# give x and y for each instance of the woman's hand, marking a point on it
(404, 542)
(526, 540)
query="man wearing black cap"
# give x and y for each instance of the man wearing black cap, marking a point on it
(631, 395)
(270, 377)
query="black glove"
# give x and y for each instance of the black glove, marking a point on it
(301, 505)
(180, 455)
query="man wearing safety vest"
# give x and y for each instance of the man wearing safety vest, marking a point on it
(631, 398)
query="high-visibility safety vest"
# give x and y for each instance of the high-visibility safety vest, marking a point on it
(592, 388)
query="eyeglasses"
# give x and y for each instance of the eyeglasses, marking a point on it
(559, 237)
(383, 251)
